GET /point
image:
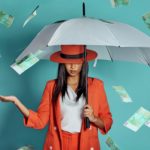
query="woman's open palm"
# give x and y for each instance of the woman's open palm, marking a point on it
(7, 98)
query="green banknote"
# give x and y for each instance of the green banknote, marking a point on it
(32, 15)
(147, 123)
(122, 93)
(112, 144)
(116, 3)
(146, 19)
(6, 19)
(26, 148)
(25, 63)
(140, 117)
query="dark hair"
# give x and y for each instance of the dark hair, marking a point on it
(61, 82)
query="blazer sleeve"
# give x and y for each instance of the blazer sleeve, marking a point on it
(39, 119)
(104, 110)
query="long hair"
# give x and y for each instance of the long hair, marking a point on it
(61, 82)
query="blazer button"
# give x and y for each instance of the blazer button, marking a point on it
(55, 128)
(50, 147)
(92, 148)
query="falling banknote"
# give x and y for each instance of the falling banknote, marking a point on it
(116, 3)
(6, 19)
(138, 119)
(26, 148)
(25, 63)
(111, 144)
(122, 93)
(146, 19)
(147, 123)
(32, 15)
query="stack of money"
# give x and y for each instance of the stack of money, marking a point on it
(116, 3)
(25, 63)
(139, 118)
(111, 144)
(6, 19)
(146, 19)
(122, 93)
(29, 147)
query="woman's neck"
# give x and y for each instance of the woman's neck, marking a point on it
(73, 80)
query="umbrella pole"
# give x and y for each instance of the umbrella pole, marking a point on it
(87, 121)
(83, 9)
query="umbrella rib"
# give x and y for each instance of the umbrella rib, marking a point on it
(113, 35)
(109, 53)
(147, 61)
(56, 31)
(145, 57)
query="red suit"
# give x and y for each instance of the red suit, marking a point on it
(49, 113)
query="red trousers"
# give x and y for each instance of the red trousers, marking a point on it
(70, 140)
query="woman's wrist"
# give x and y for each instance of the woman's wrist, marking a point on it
(94, 119)
(15, 101)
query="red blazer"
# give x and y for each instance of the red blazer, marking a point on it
(47, 113)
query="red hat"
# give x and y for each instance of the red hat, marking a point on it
(72, 54)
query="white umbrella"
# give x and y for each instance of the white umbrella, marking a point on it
(105, 37)
(112, 40)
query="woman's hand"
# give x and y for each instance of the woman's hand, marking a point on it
(8, 98)
(17, 102)
(88, 112)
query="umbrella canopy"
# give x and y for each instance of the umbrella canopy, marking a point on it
(104, 35)
(112, 40)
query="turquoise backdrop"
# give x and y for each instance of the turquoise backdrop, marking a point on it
(29, 86)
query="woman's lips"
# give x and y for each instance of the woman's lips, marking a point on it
(72, 71)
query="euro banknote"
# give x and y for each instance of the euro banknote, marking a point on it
(6, 19)
(147, 123)
(26, 148)
(146, 19)
(139, 118)
(122, 93)
(116, 3)
(31, 16)
(25, 63)
(111, 144)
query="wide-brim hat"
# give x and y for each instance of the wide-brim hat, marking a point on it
(72, 54)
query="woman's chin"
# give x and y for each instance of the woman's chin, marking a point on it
(73, 74)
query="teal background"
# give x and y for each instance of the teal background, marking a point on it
(29, 86)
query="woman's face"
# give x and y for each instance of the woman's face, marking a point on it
(73, 69)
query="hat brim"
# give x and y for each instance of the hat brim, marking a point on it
(55, 57)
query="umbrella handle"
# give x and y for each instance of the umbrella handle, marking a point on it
(87, 122)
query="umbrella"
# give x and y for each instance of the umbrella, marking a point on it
(113, 40)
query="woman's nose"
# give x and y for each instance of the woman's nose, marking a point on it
(73, 66)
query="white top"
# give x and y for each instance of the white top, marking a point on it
(71, 111)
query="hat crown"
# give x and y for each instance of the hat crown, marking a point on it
(73, 54)
(72, 49)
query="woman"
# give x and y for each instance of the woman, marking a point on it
(63, 104)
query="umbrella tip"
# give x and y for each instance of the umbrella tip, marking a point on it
(83, 9)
